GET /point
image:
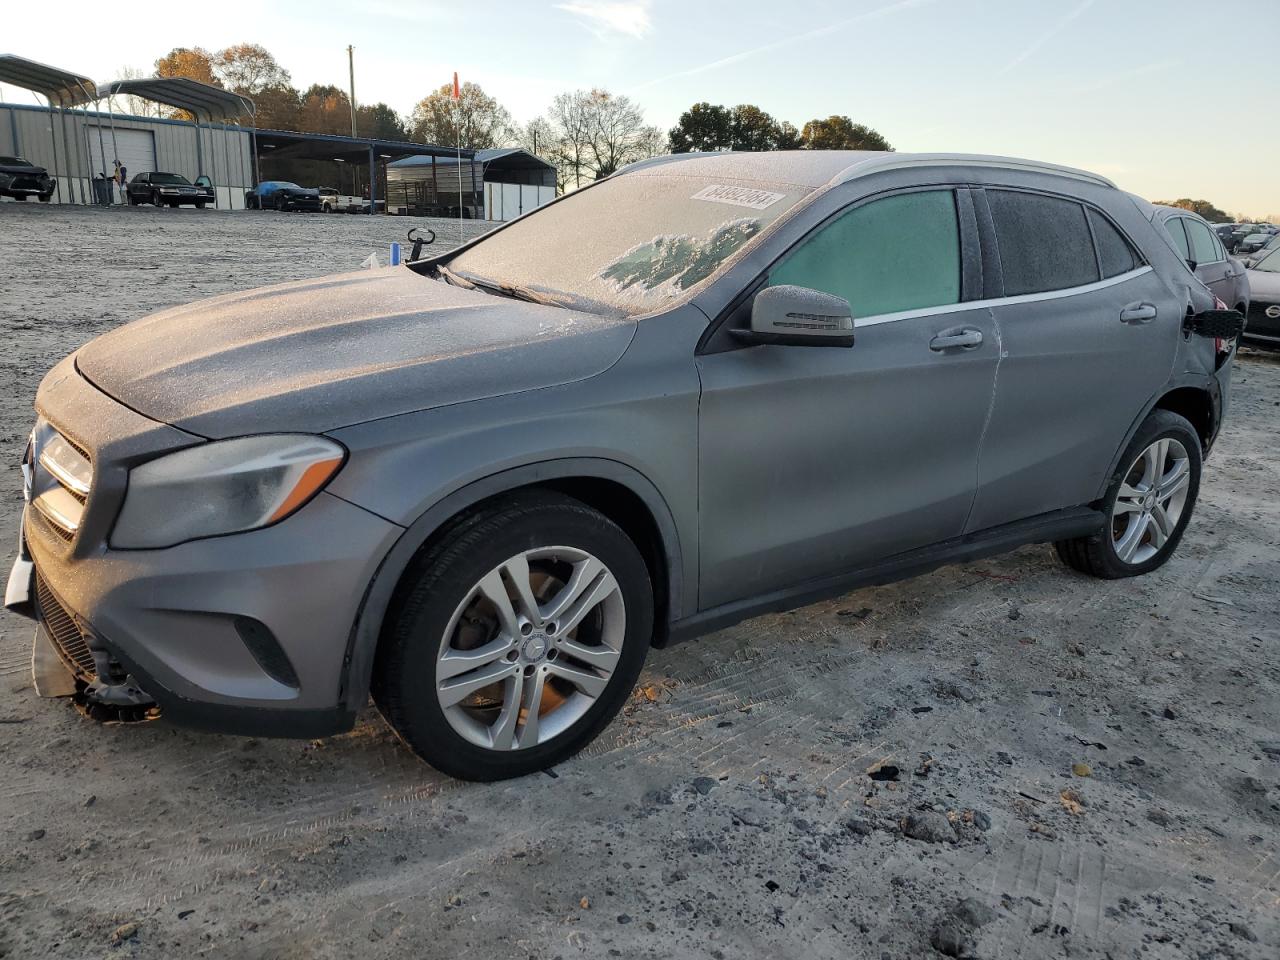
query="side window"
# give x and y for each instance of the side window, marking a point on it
(1202, 248)
(1044, 242)
(1113, 249)
(1179, 236)
(899, 253)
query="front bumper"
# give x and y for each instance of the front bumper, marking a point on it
(246, 633)
(1263, 323)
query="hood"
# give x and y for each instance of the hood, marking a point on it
(1264, 285)
(319, 354)
(21, 169)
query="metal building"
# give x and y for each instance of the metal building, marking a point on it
(496, 184)
(87, 149)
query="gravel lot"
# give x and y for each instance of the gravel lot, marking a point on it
(746, 803)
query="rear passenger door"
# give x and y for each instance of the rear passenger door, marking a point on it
(1088, 333)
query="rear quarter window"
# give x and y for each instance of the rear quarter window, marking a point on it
(1114, 251)
(1044, 242)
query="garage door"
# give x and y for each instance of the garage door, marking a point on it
(136, 149)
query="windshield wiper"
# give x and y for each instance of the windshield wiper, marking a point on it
(513, 290)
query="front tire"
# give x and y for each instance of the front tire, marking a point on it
(1148, 503)
(515, 637)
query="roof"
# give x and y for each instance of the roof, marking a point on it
(290, 144)
(61, 87)
(203, 100)
(480, 156)
(820, 168)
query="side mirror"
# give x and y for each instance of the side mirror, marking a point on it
(800, 317)
(1225, 324)
(1192, 264)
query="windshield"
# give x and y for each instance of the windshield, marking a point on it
(170, 178)
(629, 244)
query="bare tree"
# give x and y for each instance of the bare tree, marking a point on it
(594, 133)
(137, 106)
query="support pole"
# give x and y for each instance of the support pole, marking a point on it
(226, 165)
(351, 67)
(83, 161)
(373, 181)
(102, 154)
(115, 150)
(53, 138)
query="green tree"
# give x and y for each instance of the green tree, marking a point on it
(841, 133)
(703, 127)
(249, 68)
(478, 117)
(1203, 207)
(381, 122)
(278, 108)
(194, 63)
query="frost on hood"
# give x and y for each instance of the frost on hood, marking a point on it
(679, 260)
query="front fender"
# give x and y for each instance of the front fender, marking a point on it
(363, 641)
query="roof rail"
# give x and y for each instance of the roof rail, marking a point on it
(895, 161)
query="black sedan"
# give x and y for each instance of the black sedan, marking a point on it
(21, 179)
(166, 189)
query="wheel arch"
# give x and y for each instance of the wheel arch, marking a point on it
(1198, 400)
(618, 491)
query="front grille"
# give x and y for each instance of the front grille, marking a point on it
(61, 475)
(71, 642)
(1259, 323)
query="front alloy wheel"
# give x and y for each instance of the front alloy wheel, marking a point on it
(515, 636)
(531, 648)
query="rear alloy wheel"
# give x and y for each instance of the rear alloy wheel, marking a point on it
(521, 635)
(1148, 504)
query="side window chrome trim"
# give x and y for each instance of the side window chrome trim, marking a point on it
(966, 305)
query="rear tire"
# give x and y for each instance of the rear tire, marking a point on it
(576, 669)
(1148, 502)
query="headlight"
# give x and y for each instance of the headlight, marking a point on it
(227, 486)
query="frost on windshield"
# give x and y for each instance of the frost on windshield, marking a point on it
(679, 261)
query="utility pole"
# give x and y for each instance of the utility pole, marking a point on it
(351, 67)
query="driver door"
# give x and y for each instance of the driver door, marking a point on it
(817, 460)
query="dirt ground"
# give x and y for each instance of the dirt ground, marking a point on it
(1002, 759)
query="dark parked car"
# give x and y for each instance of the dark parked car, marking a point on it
(166, 189)
(282, 195)
(206, 186)
(1264, 312)
(21, 179)
(480, 487)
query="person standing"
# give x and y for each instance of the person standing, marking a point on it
(122, 177)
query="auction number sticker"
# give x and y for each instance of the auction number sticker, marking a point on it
(738, 196)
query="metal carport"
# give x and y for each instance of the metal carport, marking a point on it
(198, 99)
(62, 89)
(288, 145)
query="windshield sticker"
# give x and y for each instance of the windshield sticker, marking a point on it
(678, 261)
(738, 196)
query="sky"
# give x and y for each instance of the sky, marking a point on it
(1119, 87)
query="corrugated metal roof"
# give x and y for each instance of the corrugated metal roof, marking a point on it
(481, 157)
(205, 101)
(62, 87)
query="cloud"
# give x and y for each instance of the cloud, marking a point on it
(609, 16)
(786, 41)
(1056, 29)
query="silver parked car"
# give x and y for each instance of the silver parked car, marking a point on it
(481, 487)
(1199, 244)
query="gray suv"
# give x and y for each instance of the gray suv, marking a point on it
(479, 488)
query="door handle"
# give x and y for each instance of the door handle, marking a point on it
(1138, 313)
(966, 338)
